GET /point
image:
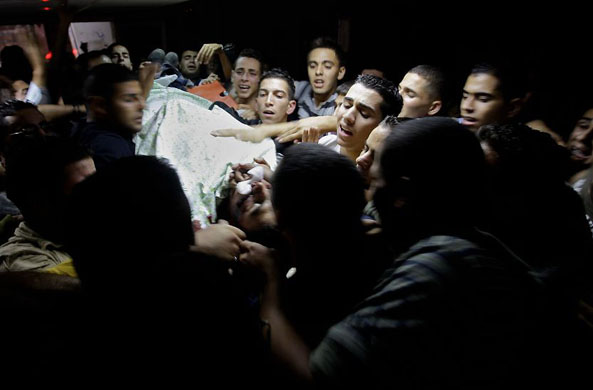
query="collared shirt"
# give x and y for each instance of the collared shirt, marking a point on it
(307, 105)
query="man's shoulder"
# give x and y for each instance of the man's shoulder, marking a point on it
(301, 89)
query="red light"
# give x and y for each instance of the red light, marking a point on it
(75, 52)
(45, 1)
(48, 56)
(46, 8)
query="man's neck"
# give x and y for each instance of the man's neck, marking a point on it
(320, 99)
(352, 154)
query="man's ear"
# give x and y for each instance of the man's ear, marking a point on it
(98, 106)
(435, 107)
(291, 107)
(341, 72)
(405, 191)
(514, 107)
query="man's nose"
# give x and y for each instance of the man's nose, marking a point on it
(349, 116)
(586, 135)
(467, 105)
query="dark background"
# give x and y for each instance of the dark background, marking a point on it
(552, 40)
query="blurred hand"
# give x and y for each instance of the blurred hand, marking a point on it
(259, 257)
(311, 135)
(207, 52)
(220, 240)
(212, 77)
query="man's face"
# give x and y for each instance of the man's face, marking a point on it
(482, 102)
(121, 56)
(358, 115)
(416, 96)
(20, 89)
(580, 141)
(273, 104)
(245, 77)
(367, 156)
(324, 71)
(126, 105)
(254, 211)
(188, 64)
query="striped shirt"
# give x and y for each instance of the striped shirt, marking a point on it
(448, 314)
(307, 105)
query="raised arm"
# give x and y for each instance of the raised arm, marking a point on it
(206, 53)
(286, 345)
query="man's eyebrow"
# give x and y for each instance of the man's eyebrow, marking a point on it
(328, 62)
(366, 107)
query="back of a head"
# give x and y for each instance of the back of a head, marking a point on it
(392, 100)
(437, 84)
(35, 177)
(131, 213)
(524, 155)
(317, 190)
(102, 78)
(443, 161)
(344, 87)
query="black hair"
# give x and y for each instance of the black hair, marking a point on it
(445, 163)
(152, 213)
(252, 53)
(527, 154)
(35, 176)
(344, 87)
(6, 89)
(277, 73)
(335, 180)
(114, 44)
(437, 84)
(329, 43)
(512, 78)
(392, 100)
(102, 78)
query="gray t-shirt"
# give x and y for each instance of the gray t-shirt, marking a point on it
(307, 106)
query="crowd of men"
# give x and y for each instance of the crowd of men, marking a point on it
(403, 239)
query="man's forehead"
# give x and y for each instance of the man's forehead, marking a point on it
(482, 83)
(248, 62)
(588, 115)
(127, 87)
(322, 54)
(414, 78)
(120, 48)
(274, 84)
(361, 94)
(189, 53)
